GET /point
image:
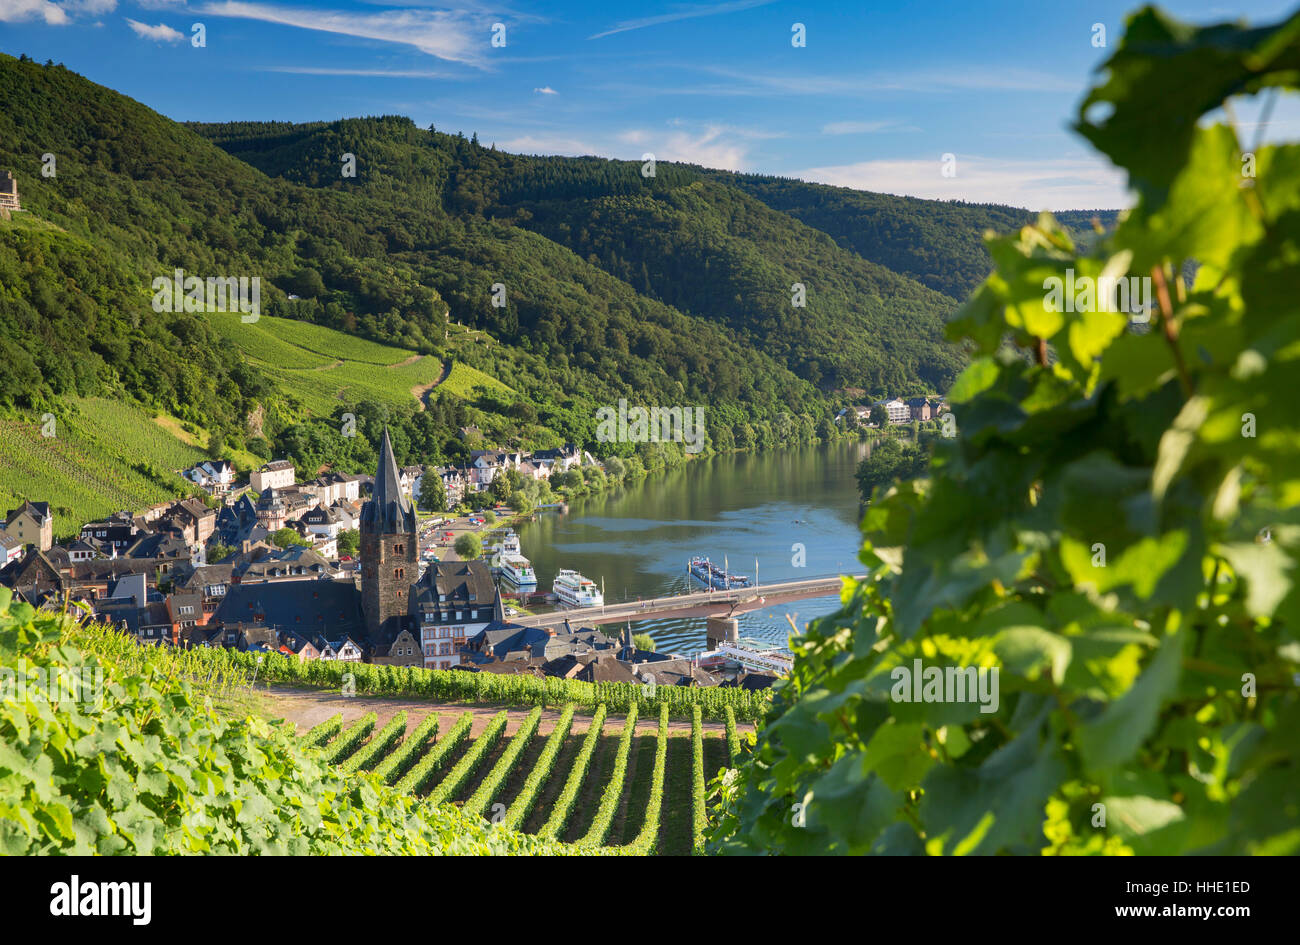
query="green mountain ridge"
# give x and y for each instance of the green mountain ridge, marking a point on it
(670, 289)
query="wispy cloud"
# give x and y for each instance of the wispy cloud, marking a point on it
(1058, 184)
(931, 82)
(714, 145)
(454, 35)
(546, 90)
(684, 13)
(864, 127)
(376, 73)
(162, 33)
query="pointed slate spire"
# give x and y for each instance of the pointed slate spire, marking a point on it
(388, 509)
(499, 608)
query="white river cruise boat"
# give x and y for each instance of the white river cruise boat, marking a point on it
(577, 591)
(518, 570)
(754, 655)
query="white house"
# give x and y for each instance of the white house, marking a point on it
(344, 651)
(214, 476)
(11, 549)
(897, 410)
(274, 475)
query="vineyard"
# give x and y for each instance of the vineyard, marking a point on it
(595, 782)
(322, 368)
(716, 703)
(102, 456)
(465, 381)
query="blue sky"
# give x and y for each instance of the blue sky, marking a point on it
(879, 93)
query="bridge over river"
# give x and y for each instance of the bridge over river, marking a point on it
(703, 603)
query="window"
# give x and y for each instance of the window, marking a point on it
(399, 549)
(399, 573)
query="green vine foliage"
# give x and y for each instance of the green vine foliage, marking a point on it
(1113, 529)
(146, 766)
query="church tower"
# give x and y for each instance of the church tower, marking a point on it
(389, 552)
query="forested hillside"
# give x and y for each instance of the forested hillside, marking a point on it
(938, 243)
(670, 289)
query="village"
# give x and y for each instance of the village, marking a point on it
(337, 567)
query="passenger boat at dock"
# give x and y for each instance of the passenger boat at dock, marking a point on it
(509, 561)
(518, 570)
(577, 591)
(753, 655)
(706, 572)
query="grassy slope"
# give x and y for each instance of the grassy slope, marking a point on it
(90, 468)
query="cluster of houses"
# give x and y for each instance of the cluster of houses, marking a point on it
(899, 410)
(150, 575)
(485, 465)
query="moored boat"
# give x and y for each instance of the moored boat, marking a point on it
(577, 591)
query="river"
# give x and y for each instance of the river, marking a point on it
(755, 509)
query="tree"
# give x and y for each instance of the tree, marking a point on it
(433, 494)
(643, 641)
(216, 552)
(892, 459)
(286, 537)
(468, 546)
(501, 488)
(349, 543)
(615, 468)
(520, 503)
(879, 415)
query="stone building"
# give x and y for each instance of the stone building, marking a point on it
(389, 552)
(9, 192)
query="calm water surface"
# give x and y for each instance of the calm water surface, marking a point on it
(752, 509)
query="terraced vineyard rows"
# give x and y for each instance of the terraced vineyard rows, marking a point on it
(616, 782)
(102, 456)
(323, 368)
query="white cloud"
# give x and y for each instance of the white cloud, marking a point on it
(546, 90)
(1057, 184)
(454, 35)
(716, 145)
(683, 14)
(162, 33)
(15, 11)
(549, 144)
(712, 146)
